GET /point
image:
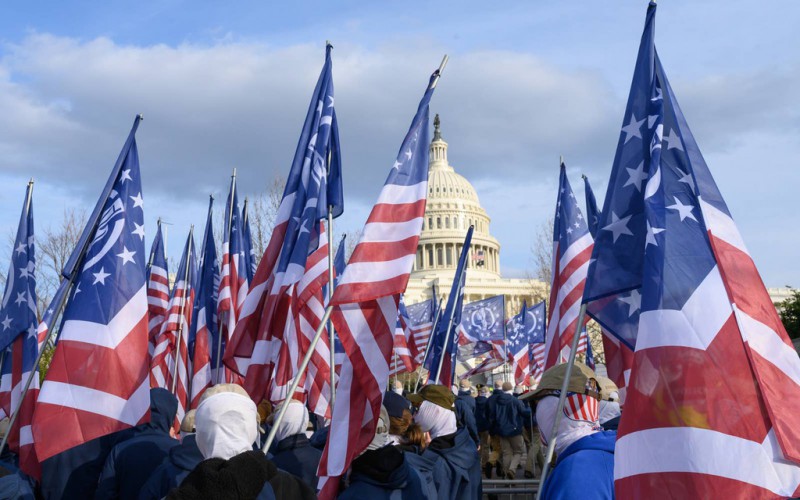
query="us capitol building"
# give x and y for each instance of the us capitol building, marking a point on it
(452, 207)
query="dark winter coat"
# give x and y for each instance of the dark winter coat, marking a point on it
(296, 456)
(465, 416)
(172, 471)
(450, 467)
(383, 474)
(584, 470)
(481, 414)
(506, 414)
(131, 463)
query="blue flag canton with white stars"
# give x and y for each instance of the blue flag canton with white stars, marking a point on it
(569, 225)
(18, 307)
(420, 313)
(527, 327)
(114, 265)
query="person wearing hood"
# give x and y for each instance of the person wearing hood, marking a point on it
(494, 461)
(382, 472)
(610, 412)
(507, 414)
(227, 426)
(130, 463)
(465, 411)
(450, 466)
(402, 431)
(181, 461)
(293, 451)
(482, 425)
(585, 465)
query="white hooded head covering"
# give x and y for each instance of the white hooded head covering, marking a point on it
(381, 438)
(227, 425)
(579, 419)
(435, 419)
(295, 421)
(608, 410)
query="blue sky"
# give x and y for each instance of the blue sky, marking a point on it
(226, 85)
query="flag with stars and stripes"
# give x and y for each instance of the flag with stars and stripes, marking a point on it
(247, 243)
(715, 383)
(365, 302)
(572, 247)
(157, 288)
(256, 343)
(170, 364)
(403, 359)
(19, 340)
(445, 339)
(98, 381)
(522, 332)
(233, 283)
(421, 317)
(204, 334)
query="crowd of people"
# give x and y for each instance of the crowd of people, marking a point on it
(437, 443)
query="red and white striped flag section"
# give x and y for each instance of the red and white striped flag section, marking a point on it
(98, 382)
(18, 328)
(233, 284)
(572, 247)
(494, 359)
(403, 359)
(266, 316)
(170, 360)
(421, 317)
(619, 361)
(365, 302)
(204, 329)
(157, 288)
(537, 364)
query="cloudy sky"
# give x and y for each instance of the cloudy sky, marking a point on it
(227, 84)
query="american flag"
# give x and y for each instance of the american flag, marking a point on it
(524, 331)
(247, 243)
(157, 288)
(19, 341)
(233, 283)
(421, 317)
(203, 332)
(619, 361)
(98, 382)
(537, 364)
(592, 213)
(713, 370)
(365, 309)
(572, 247)
(583, 342)
(403, 359)
(169, 367)
(482, 327)
(266, 314)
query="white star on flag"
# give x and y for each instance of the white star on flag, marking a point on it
(636, 176)
(20, 298)
(6, 323)
(126, 256)
(673, 141)
(633, 128)
(20, 248)
(618, 226)
(126, 176)
(634, 301)
(100, 277)
(137, 201)
(139, 230)
(683, 210)
(651, 235)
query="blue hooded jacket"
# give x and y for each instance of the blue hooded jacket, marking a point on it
(481, 413)
(383, 474)
(506, 414)
(584, 470)
(181, 461)
(465, 415)
(458, 476)
(131, 463)
(295, 455)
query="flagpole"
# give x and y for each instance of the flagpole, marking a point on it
(330, 291)
(505, 342)
(189, 252)
(221, 330)
(459, 290)
(152, 254)
(551, 446)
(428, 346)
(296, 380)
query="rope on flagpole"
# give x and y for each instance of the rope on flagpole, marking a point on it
(296, 380)
(551, 446)
(189, 252)
(221, 332)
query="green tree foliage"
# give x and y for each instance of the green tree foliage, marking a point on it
(790, 314)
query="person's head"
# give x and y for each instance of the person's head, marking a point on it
(381, 437)
(498, 385)
(295, 420)
(608, 410)
(484, 391)
(518, 390)
(507, 387)
(398, 387)
(580, 411)
(187, 424)
(226, 422)
(435, 415)
(163, 409)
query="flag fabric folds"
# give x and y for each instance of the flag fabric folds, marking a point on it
(170, 364)
(482, 327)
(572, 247)
(404, 356)
(97, 382)
(365, 302)
(707, 337)
(157, 288)
(421, 317)
(592, 213)
(264, 321)
(445, 340)
(20, 341)
(247, 244)
(203, 340)
(523, 331)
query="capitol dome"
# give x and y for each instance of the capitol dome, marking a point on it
(452, 207)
